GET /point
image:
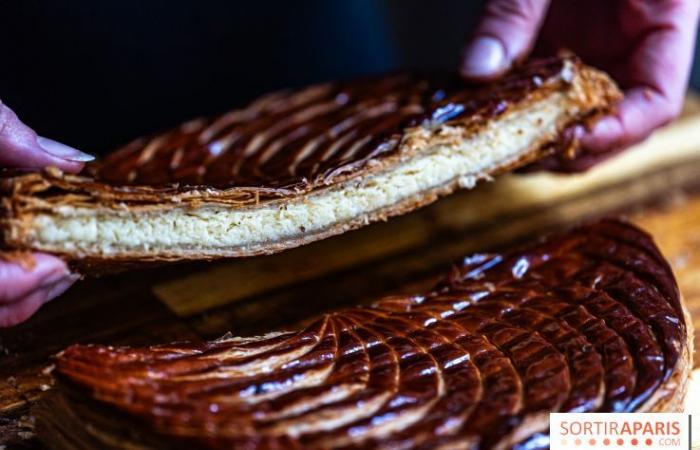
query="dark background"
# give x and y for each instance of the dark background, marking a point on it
(97, 73)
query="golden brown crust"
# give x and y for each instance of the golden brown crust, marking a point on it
(591, 91)
(670, 396)
(587, 321)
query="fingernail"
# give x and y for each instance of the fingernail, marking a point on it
(59, 287)
(602, 136)
(63, 151)
(485, 56)
(54, 277)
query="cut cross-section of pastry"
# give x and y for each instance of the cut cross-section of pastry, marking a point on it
(295, 167)
(589, 321)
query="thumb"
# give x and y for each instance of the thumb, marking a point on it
(505, 34)
(21, 148)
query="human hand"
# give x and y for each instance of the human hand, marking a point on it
(646, 46)
(22, 289)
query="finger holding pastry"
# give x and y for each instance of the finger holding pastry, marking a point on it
(24, 288)
(647, 47)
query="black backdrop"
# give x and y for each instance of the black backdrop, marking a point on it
(95, 73)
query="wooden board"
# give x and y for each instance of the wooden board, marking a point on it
(657, 185)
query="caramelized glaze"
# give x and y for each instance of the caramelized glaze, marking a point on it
(587, 321)
(300, 139)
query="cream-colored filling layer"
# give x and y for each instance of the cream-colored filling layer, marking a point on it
(215, 228)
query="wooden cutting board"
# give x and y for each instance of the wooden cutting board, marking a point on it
(656, 184)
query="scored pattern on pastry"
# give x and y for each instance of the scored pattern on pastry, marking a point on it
(300, 166)
(587, 321)
(295, 139)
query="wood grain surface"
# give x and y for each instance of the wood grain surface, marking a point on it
(657, 185)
